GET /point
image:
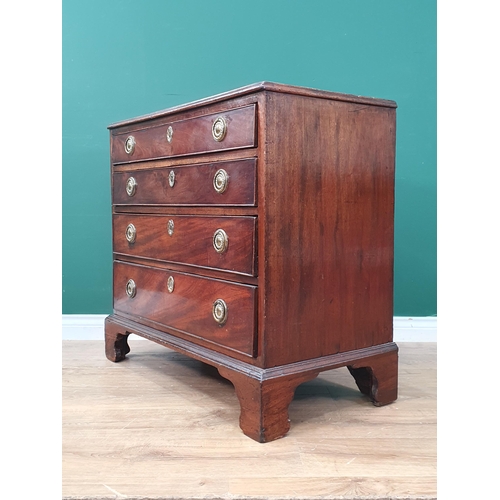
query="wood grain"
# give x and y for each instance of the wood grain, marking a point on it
(173, 432)
(193, 185)
(190, 136)
(188, 309)
(191, 241)
(326, 240)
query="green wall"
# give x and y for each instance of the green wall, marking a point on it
(124, 58)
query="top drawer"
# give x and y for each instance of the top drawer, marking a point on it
(233, 129)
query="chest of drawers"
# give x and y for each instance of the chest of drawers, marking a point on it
(253, 230)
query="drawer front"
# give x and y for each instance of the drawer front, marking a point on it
(232, 129)
(222, 183)
(189, 304)
(226, 243)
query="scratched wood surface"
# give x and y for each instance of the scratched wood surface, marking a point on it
(159, 425)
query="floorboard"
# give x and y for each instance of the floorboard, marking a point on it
(159, 425)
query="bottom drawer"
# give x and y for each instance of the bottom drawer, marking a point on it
(214, 310)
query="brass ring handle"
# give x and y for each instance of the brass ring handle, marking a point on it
(170, 284)
(130, 144)
(131, 186)
(130, 233)
(219, 128)
(131, 289)
(220, 241)
(170, 133)
(171, 178)
(219, 311)
(221, 180)
(170, 227)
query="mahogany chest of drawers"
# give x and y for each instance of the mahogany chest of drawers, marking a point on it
(253, 230)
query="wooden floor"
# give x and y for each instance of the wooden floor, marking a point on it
(162, 426)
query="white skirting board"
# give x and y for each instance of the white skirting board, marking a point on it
(91, 327)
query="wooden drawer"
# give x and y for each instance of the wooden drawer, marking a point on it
(221, 183)
(187, 136)
(190, 242)
(189, 307)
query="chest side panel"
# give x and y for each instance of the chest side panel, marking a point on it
(326, 260)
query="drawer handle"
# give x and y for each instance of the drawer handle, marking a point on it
(130, 233)
(131, 186)
(131, 289)
(221, 180)
(220, 241)
(171, 178)
(170, 227)
(219, 311)
(130, 145)
(170, 284)
(219, 128)
(170, 133)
